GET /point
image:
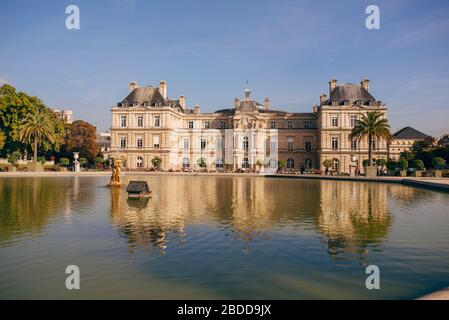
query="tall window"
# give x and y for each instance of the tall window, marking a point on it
(308, 163)
(206, 124)
(122, 142)
(354, 144)
(290, 163)
(334, 142)
(139, 162)
(139, 142)
(245, 163)
(245, 144)
(273, 125)
(290, 144)
(219, 144)
(186, 143)
(190, 124)
(334, 121)
(122, 121)
(223, 124)
(203, 143)
(156, 141)
(157, 121)
(353, 120)
(306, 124)
(308, 145)
(290, 124)
(140, 121)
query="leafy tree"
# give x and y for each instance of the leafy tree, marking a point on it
(36, 128)
(281, 164)
(82, 161)
(259, 163)
(419, 146)
(2, 140)
(328, 163)
(365, 163)
(14, 108)
(391, 165)
(81, 137)
(438, 162)
(14, 157)
(403, 164)
(407, 155)
(371, 125)
(156, 161)
(381, 162)
(418, 164)
(202, 163)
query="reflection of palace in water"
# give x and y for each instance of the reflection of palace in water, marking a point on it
(350, 216)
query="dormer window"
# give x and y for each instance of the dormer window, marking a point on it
(124, 103)
(145, 104)
(346, 102)
(135, 104)
(335, 103)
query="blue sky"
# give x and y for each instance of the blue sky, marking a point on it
(207, 50)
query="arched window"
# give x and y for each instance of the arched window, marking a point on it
(219, 163)
(336, 164)
(185, 162)
(290, 163)
(308, 163)
(139, 162)
(245, 163)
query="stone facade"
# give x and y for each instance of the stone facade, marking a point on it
(147, 124)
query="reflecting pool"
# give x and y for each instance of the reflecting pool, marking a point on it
(221, 237)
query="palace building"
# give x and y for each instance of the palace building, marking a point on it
(246, 136)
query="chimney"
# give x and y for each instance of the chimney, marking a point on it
(182, 101)
(332, 85)
(266, 103)
(163, 88)
(323, 98)
(365, 84)
(132, 85)
(197, 109)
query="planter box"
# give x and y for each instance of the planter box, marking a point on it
(35, 167)
(403, 173)
(437, 173)
(417, 174)
(370, 172)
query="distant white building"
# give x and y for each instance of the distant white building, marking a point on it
(65, 115)
(104, 141)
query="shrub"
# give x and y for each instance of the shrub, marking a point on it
(328, 163)
(98, 160)
(418, 164)
(14, 157)
(64, 162)
(82, 161)
(381, 162)
(365, 163)
(391, 164)
(41, 159)
(403, 164)
(156, 161)
(438, 162)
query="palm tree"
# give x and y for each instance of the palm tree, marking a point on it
(371, 125)
(36, 128)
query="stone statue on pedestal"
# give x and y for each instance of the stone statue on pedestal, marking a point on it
(116, 170)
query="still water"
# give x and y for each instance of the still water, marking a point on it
(221, 237)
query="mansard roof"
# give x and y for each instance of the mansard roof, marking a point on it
(350, 92)
(149, 96)
(410, 133)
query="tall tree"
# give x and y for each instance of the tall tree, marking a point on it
(371, 125)
(81, 137)
(14, 108)
(36, 128)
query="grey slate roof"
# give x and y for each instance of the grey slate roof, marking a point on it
(410, 133)
(151, 96)
(137, 187)
(350, 92)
